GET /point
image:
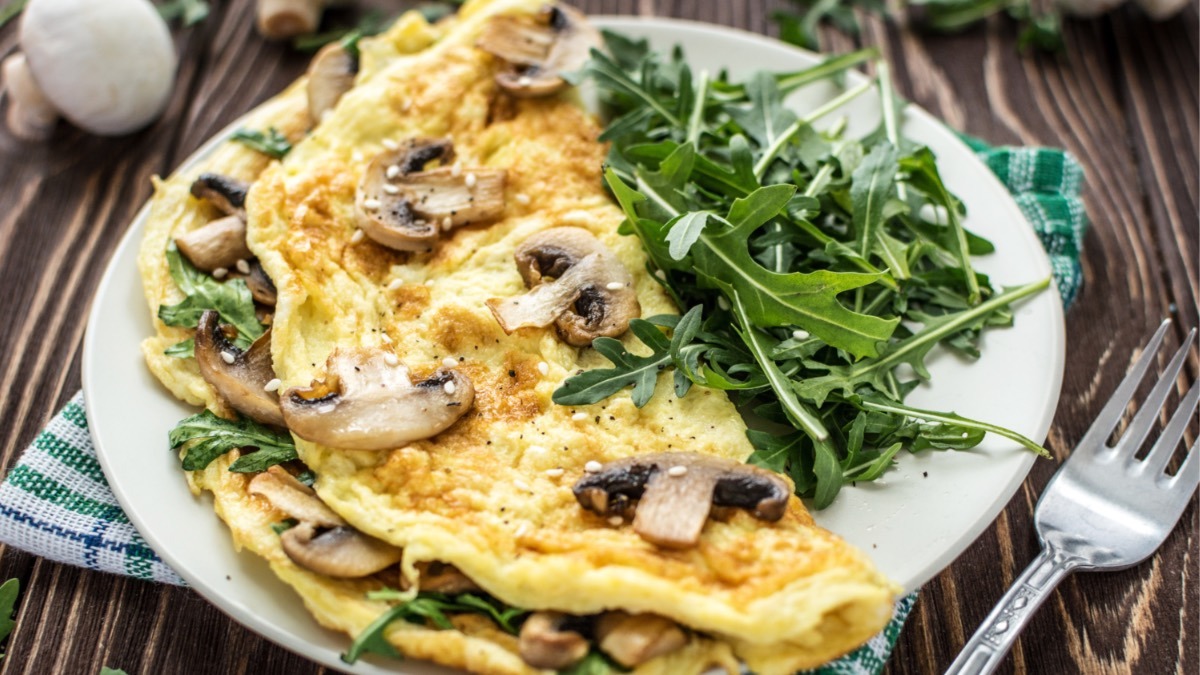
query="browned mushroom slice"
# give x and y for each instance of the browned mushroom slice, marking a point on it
(260, 285)
(240, 377)
(294, 498)
(402, 206)
(675, 491)
(439, 577)
(218, 244)
(226, 193)
(539, 49)
(341, 552)
(548, 641)
(633, 639)
(576, 282)
(368, 402)
(330, 75)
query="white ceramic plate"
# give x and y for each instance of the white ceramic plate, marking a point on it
(913, 523)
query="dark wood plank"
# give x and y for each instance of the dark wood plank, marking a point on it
(1123, 99)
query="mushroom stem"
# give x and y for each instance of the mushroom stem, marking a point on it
(31, 116)
(283, 19)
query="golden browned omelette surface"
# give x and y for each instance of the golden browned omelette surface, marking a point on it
(492, 494)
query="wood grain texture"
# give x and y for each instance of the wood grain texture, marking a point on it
(1123, 99)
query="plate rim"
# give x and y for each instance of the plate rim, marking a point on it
(287, 640)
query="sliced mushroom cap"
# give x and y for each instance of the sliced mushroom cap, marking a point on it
(330, 75)
(539, 49)
(576, 282)
(367, 403)
(675, 491)
(294, 498)
(439, 577)
(341, 552)
(400, 205)
(261, 287)
(240, 377)
(219, 243)
(546, 641)
(226, 193)
(633, 639)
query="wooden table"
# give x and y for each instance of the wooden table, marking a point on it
(1123, 98)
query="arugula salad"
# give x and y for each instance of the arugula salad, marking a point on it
(815, 271)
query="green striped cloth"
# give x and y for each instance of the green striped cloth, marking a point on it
(56, 504)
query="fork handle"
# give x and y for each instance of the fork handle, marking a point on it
(992, 641)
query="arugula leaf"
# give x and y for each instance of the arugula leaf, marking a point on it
(182, 350)
(428, 609)
(231, 299)
(372, 23)
(270, 143)
(189, 12)
(9, 591)
(640, 372)
(105, 670)
(206, 437)
(595, 663)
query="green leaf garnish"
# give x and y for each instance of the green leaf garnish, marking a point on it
(270, 143)
(182, 350)
(9, 591)
(206, 437)
(231, 299)
(428, 609)
(188, 12)
(815, 279)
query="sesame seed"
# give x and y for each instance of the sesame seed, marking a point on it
(429, 282)
(385, 338)
(392, 171)
(447, 223)
(449, 387)
(616, 521)
(677, 471)
(522, 198)
(521, 530)
(243, 267)
(614, 285)
(449, 362)
(372, 204)
(357, 237)
(521, 485)
(220, 273)
(543, 368)
(456, 170)
(965, 434)
(406, 105)
(390, 144)
(722, 302)
(593, 467)
(273, 385)
(471, 180)
(555, 473)
(660, 274)
(327, 408)
(395, 284)
(356, 156)
(524, 81)
(228, 357)
(579, 417)
(391, 359)
(391, 189)
(800, 334)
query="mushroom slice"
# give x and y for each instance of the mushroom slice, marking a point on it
(404, 207)
(341, 552)
(576, 283)
(367, 403)
(225, 193)
(633, 639)
(539, 49)
(240, 377)
(294, 498)
(330, 75)
(260, 285)
(546, 641)
(675, 491)
(439, 577)
(219, 243)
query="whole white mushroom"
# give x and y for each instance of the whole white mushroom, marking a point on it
(107, 66)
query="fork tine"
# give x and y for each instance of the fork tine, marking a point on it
(1140, 427)
(1165, 446)
(1107, 420)
(1189, 474)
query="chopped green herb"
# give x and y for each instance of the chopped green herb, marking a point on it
(9, 591)
(270, 143)
(595, 663)
(428, 609)
(182, 350)
(372, 23)
(206, 437)
(231, 299)
(817, 270)
(188, 12)
(284, 525)
(307, 477)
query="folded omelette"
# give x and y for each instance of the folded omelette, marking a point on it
(442, 252)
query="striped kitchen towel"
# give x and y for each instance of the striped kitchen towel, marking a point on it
(56, 504)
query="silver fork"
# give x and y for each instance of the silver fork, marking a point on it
(1104, 509)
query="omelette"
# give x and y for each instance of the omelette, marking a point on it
(433, 258)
